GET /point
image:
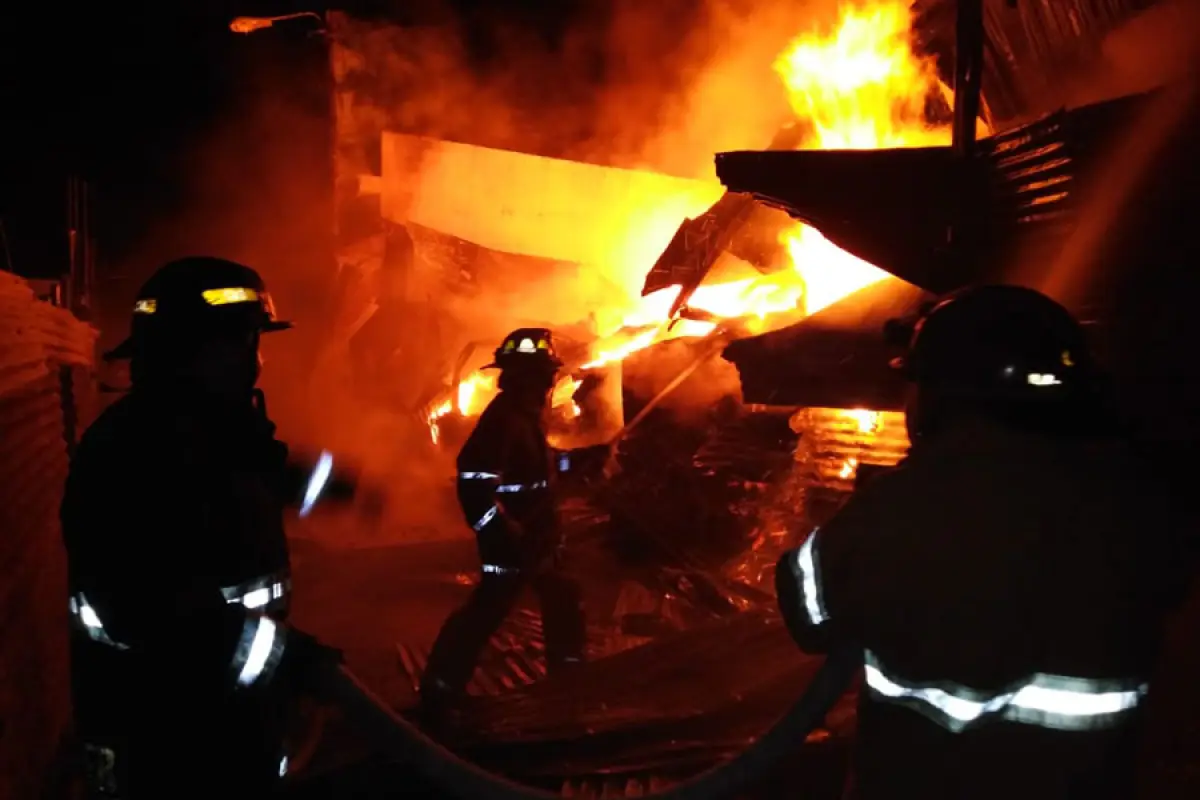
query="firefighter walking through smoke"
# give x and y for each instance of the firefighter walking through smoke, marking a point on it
(183, 668)
(506, 476)
(1007, 584)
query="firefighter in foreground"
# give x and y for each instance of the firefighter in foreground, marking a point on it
(1007, 584)
(183, 668)
(506, 476)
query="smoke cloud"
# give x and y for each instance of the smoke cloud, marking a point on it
(654, 86)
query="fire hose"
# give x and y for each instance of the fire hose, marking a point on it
(408, 744)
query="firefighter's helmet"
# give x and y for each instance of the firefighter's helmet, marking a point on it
(526, 348)
(196, 297)
(1003, 340)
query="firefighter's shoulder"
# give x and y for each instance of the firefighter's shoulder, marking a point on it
(130, 435)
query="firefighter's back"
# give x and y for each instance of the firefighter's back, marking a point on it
(1010, 602)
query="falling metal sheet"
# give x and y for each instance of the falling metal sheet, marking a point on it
(617, 220)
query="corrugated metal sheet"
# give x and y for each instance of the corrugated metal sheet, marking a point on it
(36, 341)
(835, 441)
(1030, 47)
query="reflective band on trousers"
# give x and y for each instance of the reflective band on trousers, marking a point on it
(487, 517)
(1050, 701)
(810, 580)
(258, 651)
(260, 591)
(87, 618)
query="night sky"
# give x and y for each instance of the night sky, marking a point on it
(136, 97)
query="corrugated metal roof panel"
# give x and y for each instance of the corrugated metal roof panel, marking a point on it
(1030, 46)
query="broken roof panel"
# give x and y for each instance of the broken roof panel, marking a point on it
(1032, 48)
(616, 220)
(836, 358)
(889, 207)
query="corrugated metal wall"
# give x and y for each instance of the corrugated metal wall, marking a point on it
(43, 350)
(1031, 46)
(835, 441)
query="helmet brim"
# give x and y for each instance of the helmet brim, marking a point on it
(526, 363)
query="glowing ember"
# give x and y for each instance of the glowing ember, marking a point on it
(860, 86)
(868, 421)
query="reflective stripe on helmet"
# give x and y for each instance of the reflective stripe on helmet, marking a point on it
(235, 294)
(1049, 701)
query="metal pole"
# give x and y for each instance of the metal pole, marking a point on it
(968, 74)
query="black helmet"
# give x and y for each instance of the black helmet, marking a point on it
(199, 295)
(524, 348)
(1004, 341)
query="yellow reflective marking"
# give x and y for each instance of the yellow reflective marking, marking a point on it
(148, 306)
(1066, 359)
(221, 297)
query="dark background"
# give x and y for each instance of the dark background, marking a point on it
(192, 138)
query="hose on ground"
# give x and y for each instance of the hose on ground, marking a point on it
(407, 743)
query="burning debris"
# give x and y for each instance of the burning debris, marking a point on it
(860, 87)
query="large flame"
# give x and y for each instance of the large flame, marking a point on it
(860, 86)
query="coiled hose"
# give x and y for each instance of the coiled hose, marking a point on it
(407, 743)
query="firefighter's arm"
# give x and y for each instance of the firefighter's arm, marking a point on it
(312, 481)
(481, 465)
(815, 583)
(146, 584)
(582, 461)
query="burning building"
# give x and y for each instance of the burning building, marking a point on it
(652, 277)
(622, 260)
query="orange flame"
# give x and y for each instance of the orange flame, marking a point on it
(860, 86)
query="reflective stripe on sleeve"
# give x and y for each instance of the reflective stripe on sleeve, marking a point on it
(1050, 701)
(478, 476)
(260, 591)
(496, 569)
(316, 482)
(89, 621)
(487, 517)
(810, 580)
(522, 487)
(258, 651)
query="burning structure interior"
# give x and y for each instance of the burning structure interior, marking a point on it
(723, 332)
(726, 337)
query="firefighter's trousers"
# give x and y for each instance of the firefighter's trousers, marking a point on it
(468, 630)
